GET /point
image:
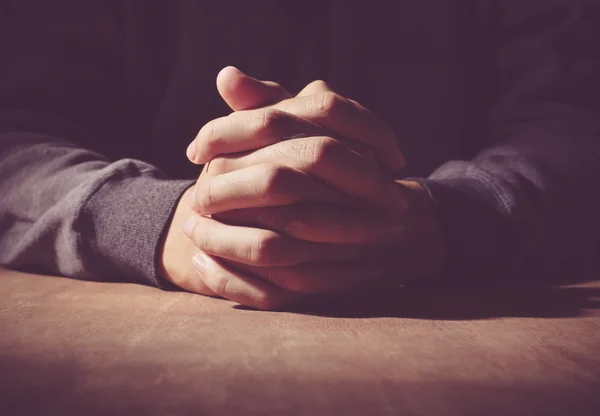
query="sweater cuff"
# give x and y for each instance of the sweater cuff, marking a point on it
(477, 232)
(127, 218)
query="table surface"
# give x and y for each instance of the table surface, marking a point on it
(71, 347)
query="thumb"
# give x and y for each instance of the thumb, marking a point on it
(242, 92)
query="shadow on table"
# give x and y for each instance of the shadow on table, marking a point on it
(458, 303)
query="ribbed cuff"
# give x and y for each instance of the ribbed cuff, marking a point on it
(127, 217)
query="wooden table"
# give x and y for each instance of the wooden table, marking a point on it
(71, 347)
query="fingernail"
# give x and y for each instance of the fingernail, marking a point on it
(188, 229)
(199, 263)
(191, 151)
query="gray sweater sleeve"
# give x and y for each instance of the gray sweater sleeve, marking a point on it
(66, 209)
(526, 207)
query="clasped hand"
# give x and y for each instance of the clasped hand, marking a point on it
(296, 196)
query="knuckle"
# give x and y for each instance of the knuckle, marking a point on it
(320, 84)
(205, 196)
(318, 150)
(201, 238)
(263, 249)
(219, 284)
(276, 181)
(267, 122)
(316, 87)
(216, 167)
(328, 103)
(209, 134)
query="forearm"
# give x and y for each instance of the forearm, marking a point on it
(525, 206)
(65, 209)
(68, 211)
(519, 208)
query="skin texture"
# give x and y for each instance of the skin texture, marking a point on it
(297, 199)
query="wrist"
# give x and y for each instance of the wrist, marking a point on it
(175, 243)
